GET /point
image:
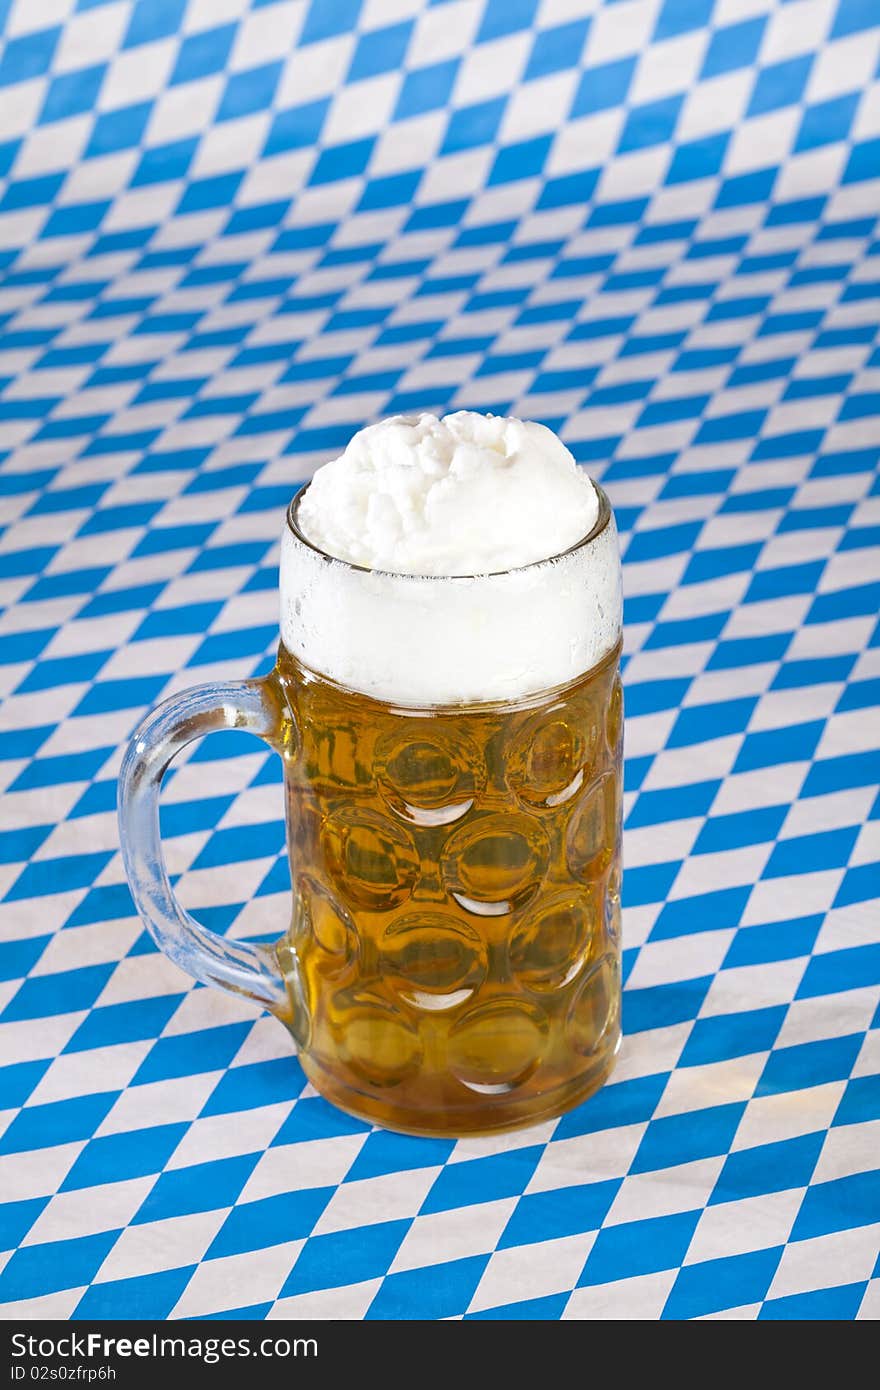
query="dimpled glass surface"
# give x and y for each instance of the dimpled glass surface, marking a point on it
(456, 927)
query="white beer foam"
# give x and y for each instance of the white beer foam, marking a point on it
(417, 638)
(468, 494)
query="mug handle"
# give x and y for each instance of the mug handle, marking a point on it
(252, 970)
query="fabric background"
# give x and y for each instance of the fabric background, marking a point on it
(231, 234)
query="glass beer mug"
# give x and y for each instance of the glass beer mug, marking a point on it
(452, 773)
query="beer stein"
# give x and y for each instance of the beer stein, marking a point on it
(452, 778)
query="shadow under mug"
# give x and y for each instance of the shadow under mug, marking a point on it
(452, 961)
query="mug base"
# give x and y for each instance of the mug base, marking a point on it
(496, 1115)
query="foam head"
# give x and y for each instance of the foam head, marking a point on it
(466, 559)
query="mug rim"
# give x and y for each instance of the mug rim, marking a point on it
(603, 519)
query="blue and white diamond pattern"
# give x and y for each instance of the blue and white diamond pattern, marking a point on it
(230, 234)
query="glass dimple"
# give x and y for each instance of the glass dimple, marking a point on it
(591, 834)
(594, 1009)
(614, 722)
(330, 925)
(332, 755)
(548, 946)
(547, 761)
(494, 1048)
(372, 860)
(494, 862)
(424, 779)
(612, 907)
(432, 960)
(380, 1045)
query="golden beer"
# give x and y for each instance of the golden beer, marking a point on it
(454, 953)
